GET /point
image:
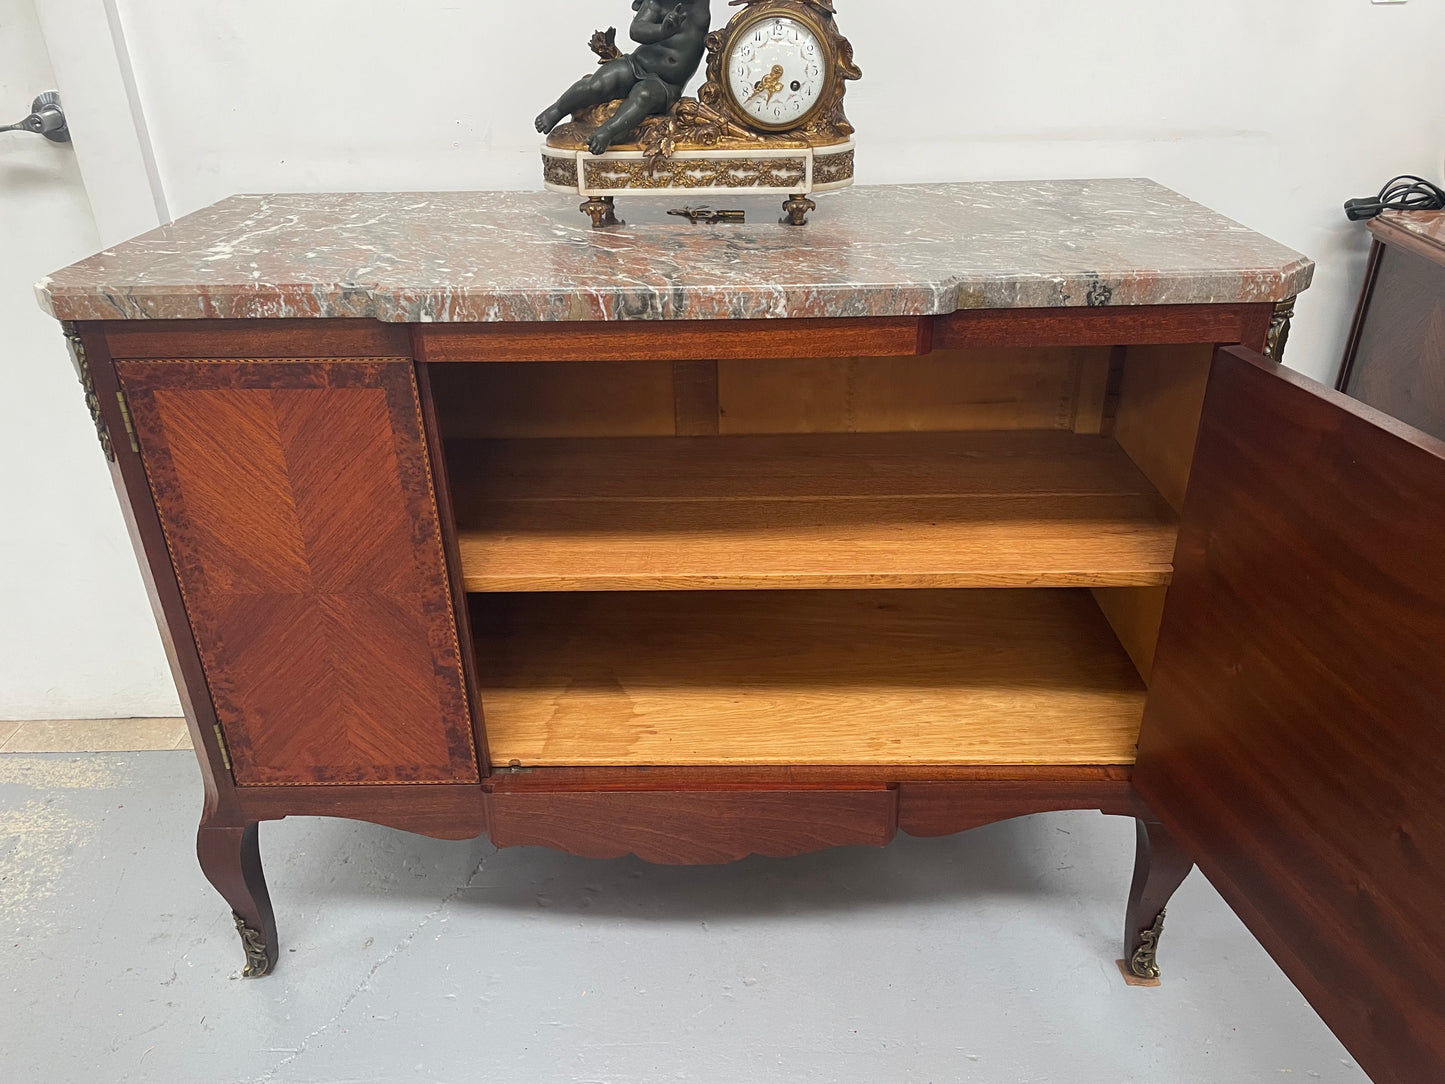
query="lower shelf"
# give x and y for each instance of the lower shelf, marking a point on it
(804, 677)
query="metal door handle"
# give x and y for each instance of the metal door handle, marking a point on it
(46, 118)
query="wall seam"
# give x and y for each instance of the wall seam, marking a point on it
(137, 110)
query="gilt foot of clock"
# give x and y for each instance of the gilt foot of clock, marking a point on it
(797, 209)
(603, 212)
(231, 860)
(1160, 866)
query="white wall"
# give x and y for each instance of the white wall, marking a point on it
(1271, 111)
(76, 635)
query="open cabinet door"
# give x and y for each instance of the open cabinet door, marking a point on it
(1294, 738)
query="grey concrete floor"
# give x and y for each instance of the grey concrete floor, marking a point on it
(987, 957)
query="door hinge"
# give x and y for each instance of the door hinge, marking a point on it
(129, 425)
(225, 749)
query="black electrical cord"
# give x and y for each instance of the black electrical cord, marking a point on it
(1405, 193)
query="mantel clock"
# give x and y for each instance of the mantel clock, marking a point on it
(768, 118)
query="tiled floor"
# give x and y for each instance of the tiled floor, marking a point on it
(93, 735)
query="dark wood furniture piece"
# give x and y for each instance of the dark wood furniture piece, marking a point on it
(696, 591)
(1395, 358)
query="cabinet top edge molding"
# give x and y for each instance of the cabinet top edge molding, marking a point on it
(483, 257)
(1421, 231)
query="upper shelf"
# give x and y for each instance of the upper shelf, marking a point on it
(483, 257)
(999, 509)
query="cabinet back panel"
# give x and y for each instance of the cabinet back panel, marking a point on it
(945, 390)
(948, 390)
(554, 399)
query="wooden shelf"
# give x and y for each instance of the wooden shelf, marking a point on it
(804, 677)
(919, 510)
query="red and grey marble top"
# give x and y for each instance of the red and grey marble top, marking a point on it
(912, 250)
(1427, 226)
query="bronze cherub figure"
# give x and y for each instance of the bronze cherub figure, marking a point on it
(672, 43)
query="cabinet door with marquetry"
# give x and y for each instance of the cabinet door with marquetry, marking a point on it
(301, 517)
(1294, 737)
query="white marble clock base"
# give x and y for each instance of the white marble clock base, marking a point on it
(796, 172)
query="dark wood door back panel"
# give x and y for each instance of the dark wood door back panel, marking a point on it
(1295, 730)
(299, 511)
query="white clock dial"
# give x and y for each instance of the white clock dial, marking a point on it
(777, 71)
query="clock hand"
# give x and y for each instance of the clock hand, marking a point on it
(770, 84)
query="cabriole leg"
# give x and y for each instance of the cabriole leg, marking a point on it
(1160, 866)
(231, 860)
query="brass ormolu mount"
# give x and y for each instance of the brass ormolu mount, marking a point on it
(1279, 329)
(87, 383)
(796, 209)
(257, 962)
(603, 212)
(1144, 963)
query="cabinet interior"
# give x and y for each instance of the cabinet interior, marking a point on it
(958, 558)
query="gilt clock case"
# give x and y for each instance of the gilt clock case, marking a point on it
(712, 145)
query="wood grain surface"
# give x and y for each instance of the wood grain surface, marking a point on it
(1397, 356)
(559, 399)
(694, 399)
(673, 340)
(279, 340)
(945, 808)
(447, 525)
(804, 677)
(695, 828)
(1055, 388)
(944, 390)
(1104, 326)
(1093, 779)
(1295, 733)
(298, 509)
(1156, 420)
(915, 510)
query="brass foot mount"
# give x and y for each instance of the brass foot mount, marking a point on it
(603, 212)
(797, 209)
(1144, 963)
(258, 962)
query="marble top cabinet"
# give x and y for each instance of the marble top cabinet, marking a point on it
(960, 503)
